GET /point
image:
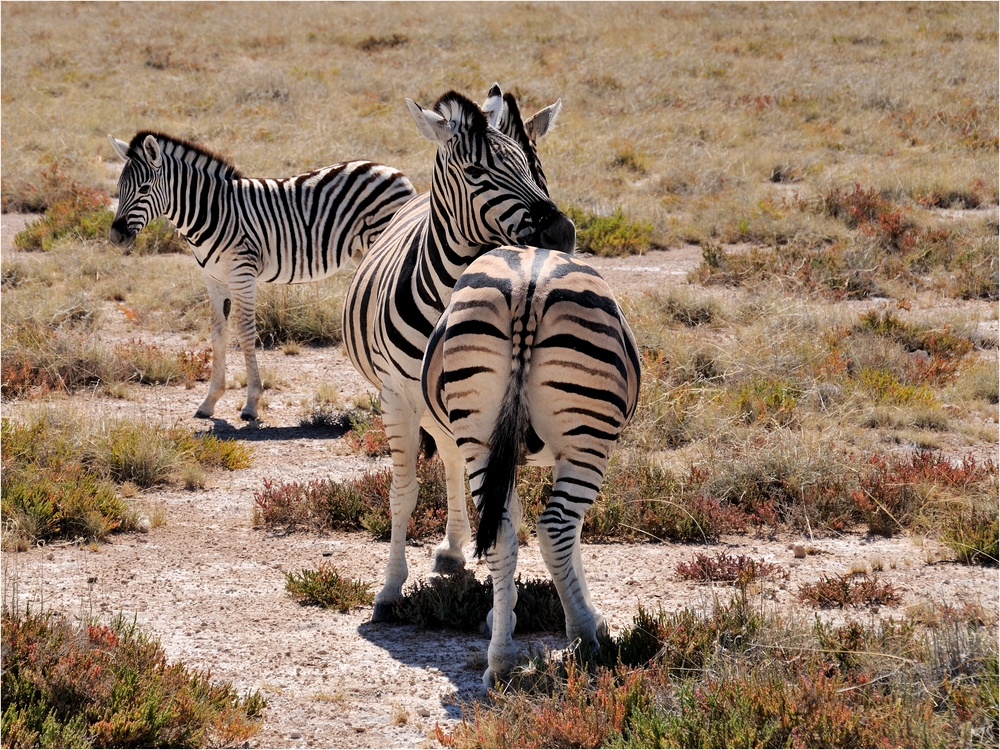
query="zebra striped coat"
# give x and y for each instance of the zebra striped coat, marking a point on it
(532, 362)
(483, 195)
(243, 229)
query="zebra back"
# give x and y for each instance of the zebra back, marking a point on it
(285, 230)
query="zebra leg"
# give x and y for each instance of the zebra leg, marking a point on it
(502, 562)
(402, 427)
(559, 528)
(218, 296)
(244, 292)
(449, 556)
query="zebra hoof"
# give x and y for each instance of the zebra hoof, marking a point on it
(202, 414)
(384, 612)
(446, 565)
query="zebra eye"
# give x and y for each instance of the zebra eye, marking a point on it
(474, 171)
(143, 190)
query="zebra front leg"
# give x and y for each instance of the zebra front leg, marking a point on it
(402, 427)
(449, 556)
(243, 290)
(559, 528)
(218, 297)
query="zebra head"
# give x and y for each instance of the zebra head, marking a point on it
(142, 194)
(484, 180)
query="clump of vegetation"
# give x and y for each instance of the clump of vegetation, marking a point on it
(111, 686)
(974, 534)
(61, 478)
(883, 249)
(326, 588)
(307, 314)
(849, 590)
(354, 505)
(461, 602)
(81, 213)
(609, 235)
(378, 43)
(722, 568)
(688, 679)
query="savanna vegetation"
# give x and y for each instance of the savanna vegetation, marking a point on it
(830, 367)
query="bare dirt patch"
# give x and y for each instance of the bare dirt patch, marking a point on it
(210, 586)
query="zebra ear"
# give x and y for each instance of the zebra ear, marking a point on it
(152, 150)
(494, 105)
(431, 125)
(542, 121)
(120, 147)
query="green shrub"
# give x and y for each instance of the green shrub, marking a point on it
(609, 235)
(325, 587)
(59, 476)
(974, 535)
(111, 686)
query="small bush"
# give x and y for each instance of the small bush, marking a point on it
(609, 235)
(974, 535)
(111, 686)
(59, 478)
(355, 504)
(722, 568)
(325, 587)
(854, 590)
(300, 313)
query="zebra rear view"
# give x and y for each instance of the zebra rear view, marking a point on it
(242, 229)
(532, 362)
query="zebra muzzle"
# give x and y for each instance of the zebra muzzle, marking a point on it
(120, 236)
(560, 234)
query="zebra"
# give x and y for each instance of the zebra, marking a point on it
(483, 195)
(532, 362)
(244, 229)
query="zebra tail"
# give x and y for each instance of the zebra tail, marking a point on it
(506, 449)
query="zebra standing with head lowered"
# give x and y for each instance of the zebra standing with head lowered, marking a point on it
(243, 229)
(532, 362)
(483, 195)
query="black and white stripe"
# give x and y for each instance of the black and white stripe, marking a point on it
(243, 229)
(532, 362)
(483, 195)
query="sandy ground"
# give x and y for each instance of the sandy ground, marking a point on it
(210, 586)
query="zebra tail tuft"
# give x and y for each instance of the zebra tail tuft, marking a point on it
(506, 448)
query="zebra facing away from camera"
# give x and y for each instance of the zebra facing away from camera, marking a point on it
(532, 362)
(483, 195)
(242, 229)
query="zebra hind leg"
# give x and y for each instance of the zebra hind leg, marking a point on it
(218, 296)
(559, 528)
(501, 620)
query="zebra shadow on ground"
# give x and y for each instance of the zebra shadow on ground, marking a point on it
(458, 656)
(258, 432)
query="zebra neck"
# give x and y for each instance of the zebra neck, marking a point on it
(445, 257)
(200, 204)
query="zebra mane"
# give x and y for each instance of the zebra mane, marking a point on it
(183, 151)
(447, 105)
(514, 128)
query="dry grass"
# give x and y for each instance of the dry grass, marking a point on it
(709, 123)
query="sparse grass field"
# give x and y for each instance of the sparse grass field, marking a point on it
(829, 368)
